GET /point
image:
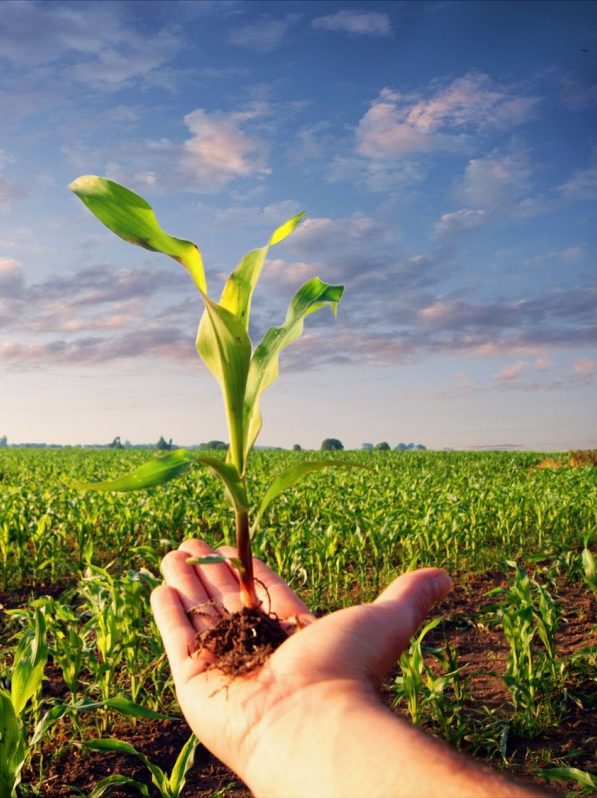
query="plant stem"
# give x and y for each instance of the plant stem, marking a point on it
(248, 596)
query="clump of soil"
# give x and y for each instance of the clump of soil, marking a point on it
(242, 641)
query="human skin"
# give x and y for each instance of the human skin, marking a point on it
(310, 722)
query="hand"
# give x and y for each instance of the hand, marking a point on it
(337, 661)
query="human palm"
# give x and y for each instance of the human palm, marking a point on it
(348, 651)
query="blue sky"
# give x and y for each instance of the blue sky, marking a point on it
(446, 155)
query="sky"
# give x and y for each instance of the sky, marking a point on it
(446, 156)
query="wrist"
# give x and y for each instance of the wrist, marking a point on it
(293, 749)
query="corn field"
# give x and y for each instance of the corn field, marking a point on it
(506, 670)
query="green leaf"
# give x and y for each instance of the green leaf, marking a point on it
(155, 472)
(126, 707)
(184, 762)
(264, 364)
(163, 469)
(117, 780)
(111, 744)
(569, 774)
(215, 559)
(13, 750)
(48, 720)
(224, 346)
(238, 291)
(230, 476)
(29, 663)
(292, 475)
(589, 566)
(210, 559)
(158, 776)
(132, 218)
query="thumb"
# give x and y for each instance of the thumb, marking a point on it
(398, 612)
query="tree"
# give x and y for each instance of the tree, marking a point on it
(218, 445)
(297, 448)
(4, 441)
(163, 445)
(116, 443)
(367, 447)
(384, 446)
(331, 445)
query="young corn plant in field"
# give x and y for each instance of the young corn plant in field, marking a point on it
(534, 675)
(27, 673)
(223, 343)
(168, 785)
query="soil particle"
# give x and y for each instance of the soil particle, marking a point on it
(242, 641)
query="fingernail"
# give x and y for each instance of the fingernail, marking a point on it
(442, 582)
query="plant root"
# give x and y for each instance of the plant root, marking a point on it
(242, 641)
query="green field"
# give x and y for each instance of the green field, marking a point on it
(502, 677)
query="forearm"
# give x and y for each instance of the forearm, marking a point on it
(344, 744)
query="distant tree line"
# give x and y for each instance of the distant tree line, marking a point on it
(327, 445)
(384, 446)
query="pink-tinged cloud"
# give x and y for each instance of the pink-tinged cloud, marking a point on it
(512, 372)
(397, 124)
(585, 366)
(220, 150)
(11, 276)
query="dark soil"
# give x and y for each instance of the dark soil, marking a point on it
(242, 641)
(468, 625)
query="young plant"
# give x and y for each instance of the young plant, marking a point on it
(223, 343)
(168, 785)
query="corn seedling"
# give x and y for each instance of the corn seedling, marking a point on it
(223, 343)
(168, 785)
(412, 685)
(27, 673)
(533, 671)
(441, 697)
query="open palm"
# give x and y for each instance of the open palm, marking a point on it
(349, 650)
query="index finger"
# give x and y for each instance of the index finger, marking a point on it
(177, 632)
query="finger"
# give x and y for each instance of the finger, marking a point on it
(399, 611)
(218, 579)
(273, 591)
(185, 580)
(177, 632)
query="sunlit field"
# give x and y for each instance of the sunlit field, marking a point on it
(505, 669)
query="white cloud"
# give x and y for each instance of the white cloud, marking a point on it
(452, 225)
(357, 23)
(376, 175)
(96, 42)
(219, 149)
(263, 36)
(399, 124)
(495, 182)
